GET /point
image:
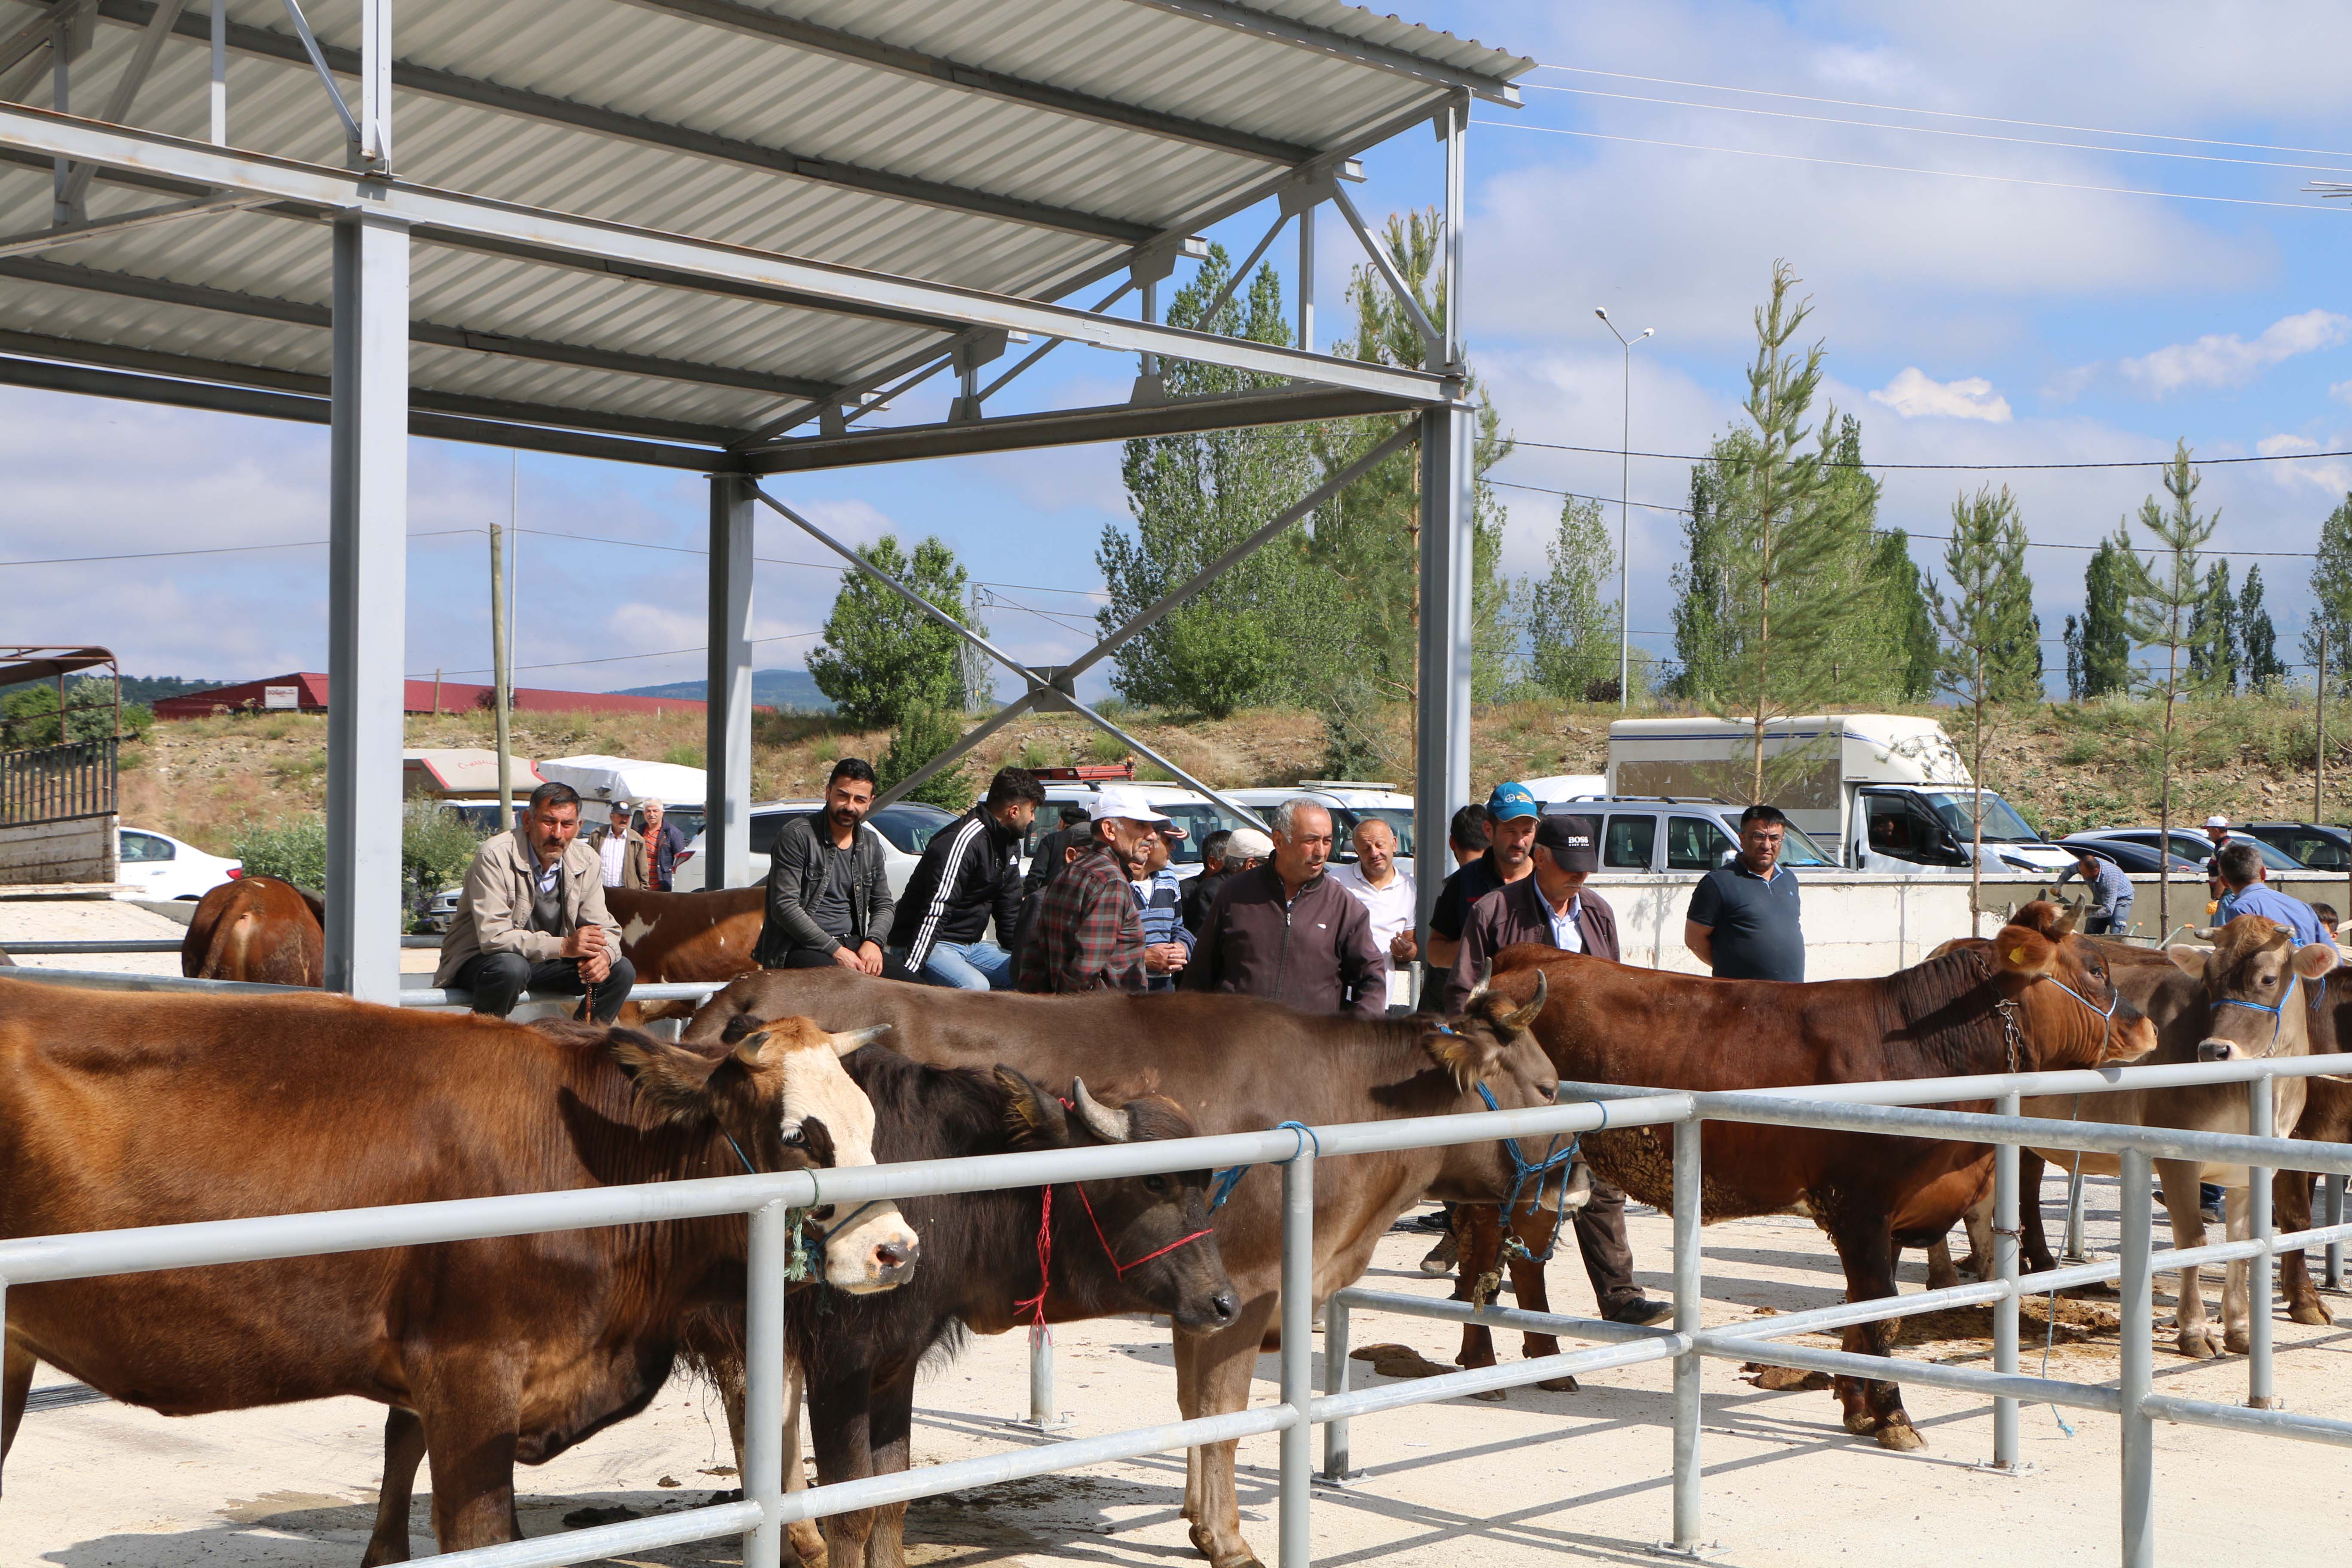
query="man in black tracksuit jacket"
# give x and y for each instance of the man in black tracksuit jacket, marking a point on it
(970, 871)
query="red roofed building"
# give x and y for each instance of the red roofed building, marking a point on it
(306, 693)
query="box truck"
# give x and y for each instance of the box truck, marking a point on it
(1890, 791)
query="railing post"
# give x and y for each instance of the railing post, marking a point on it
(2261, 1391)
(1041, 1414)
(2331, 1212)
(2073, 1251)
(2004, 1311)
(1335, 1380)
(1686, 1542)
(2138, 1367)
(763, 1381)
(1298, 1355)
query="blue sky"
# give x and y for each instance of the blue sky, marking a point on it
(2015, 318)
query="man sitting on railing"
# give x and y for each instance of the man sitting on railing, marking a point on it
(2241, 867)
(533, 917)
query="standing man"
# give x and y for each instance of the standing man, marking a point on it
(1245, 849)
(533, 917)
(828, 898)
(970, 871)
(1160, 904)
(2111, 893)
(1086, 935)
(664, 843)
(1288, 932)
(620, 851)
(1386, 891)
(1511, 815)
(1203, 887)
(1744, 921)
(1553, 906)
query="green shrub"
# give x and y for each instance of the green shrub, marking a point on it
(295, 850)
(923, 735)
(437, 845)
(683, 756)
(1105, 747)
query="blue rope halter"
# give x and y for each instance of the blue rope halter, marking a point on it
(1523, 1170)
(1231, 1176)
(2275, 1011)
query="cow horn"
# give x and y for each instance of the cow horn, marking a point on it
(1110, 1126)
(848, 1041)
(2066, 922)
(1520, 1017)
(1486, 972)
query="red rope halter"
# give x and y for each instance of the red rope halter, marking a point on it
(1036, 1304)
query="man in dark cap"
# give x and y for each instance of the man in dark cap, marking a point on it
(1554, 907)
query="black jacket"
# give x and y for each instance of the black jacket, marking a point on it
(797, 879)
(969, 870)
(1201, 893)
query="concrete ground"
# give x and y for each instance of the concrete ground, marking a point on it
(1537, 1478)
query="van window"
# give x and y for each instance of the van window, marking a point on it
(1627, 842)
(1695, 844)
(765, 826)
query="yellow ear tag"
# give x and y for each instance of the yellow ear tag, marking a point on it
(2017, 955)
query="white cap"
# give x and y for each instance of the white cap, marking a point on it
(1248, 844)
(2217, 822)
(1125, 802)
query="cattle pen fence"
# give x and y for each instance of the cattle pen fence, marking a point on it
(1903, 1109)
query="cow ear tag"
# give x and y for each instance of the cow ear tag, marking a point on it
(2017, 955)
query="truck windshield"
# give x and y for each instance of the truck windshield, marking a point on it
(2001, 822)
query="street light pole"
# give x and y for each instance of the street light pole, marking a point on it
(1624, 513)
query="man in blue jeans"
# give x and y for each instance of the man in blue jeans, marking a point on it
(970, 871)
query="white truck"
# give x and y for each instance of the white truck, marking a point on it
(1890, 791)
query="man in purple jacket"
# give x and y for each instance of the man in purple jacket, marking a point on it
(1287, 932)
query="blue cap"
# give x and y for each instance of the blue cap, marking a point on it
(1511, 801)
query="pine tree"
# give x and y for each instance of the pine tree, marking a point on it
(2165, 595)
(2214, 635)
(2331, 586)
(2257, 638)
(1980, 663)
(1193, 498)
(1570, 612)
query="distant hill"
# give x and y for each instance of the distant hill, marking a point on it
(135, 688)
(788, 689)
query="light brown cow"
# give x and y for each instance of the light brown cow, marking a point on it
(688, 936)
(256, 928)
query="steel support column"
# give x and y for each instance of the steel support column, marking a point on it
(727, 808)
(2005, 1234)
(1442, 745)
(367, 599)
(2137, 1367)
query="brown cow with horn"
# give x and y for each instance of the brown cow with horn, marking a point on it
(2036, 996)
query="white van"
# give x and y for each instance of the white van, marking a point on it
(1349, 802)
(1196, 812)
(1890, 791)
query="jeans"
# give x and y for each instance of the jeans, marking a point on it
(969, 966)
(498, 980)
(2114, 924)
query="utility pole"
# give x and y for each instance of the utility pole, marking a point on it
(498, 676)
(1624, 512)
(2319, 707)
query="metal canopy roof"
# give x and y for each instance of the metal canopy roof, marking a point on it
(1023, 152)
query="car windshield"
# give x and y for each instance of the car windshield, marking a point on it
(1797, 849)
(1398, 817)
(1199, 818)
(2001, 822)
(909, 825)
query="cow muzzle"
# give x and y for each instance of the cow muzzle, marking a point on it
(2219, 1050)
(877, 1251)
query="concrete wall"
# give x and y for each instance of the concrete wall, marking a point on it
(81, 849)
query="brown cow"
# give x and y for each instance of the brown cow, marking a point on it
(256, 928)
(121, 1110)
(1982, 1009)
(2326, 1118)
(1235, 1064)
(688, 936)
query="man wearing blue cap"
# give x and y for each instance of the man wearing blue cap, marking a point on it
(1511, 816)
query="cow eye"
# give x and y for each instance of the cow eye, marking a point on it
(1155, 1184)
(795, 1137)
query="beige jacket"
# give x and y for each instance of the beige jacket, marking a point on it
(495, 903)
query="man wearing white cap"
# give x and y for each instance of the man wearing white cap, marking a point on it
(1087, 935)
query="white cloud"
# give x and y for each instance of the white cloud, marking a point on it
(2341, 391)
(2220, 359)
(1916, 395)
(2328, 477)
(2069, 384)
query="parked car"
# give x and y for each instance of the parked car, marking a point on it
(904, 827)
(1658, 832)
(2191, 846)
(2315, 847)
(158, 866)
(1349, 801)
(2137, 858)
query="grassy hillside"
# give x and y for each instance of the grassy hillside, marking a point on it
(2068, 767)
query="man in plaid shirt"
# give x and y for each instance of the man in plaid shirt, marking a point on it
(1087, 935)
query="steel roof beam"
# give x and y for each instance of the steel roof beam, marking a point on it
(754, 22)
(451, 217)
(264, 44)
(227, 397)
(299, 313)
(1338, 46)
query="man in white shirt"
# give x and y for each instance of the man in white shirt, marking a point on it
(621, 849)
(1386, 891)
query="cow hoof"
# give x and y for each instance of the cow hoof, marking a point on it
(1204, 1543)
(1559, 1385)
(1861, 1423)
(2312, 1313)
(2237, 1342)
(1491, 1396)
(2196, 1344)
(808, 1542)
(1898, 1434)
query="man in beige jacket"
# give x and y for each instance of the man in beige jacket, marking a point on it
(533, 917)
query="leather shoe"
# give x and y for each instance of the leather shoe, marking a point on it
(1642, 1312)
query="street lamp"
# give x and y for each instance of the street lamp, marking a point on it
(1624, 512)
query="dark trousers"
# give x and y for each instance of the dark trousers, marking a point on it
(893, 968)
(2116, 924)
(1607, 1257)
(498, 980)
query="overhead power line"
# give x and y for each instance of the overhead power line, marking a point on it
(1936, 130)
(1947, 114)
(1954, 468)
(216, 550)
(1904, 168)
(613, 658)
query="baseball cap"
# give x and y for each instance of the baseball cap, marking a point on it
(1571, 842)
(1248, 844)
(1512, 801)
(2217, 822)
(1125, 802)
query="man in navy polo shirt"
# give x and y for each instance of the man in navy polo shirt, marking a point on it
(1744, 921)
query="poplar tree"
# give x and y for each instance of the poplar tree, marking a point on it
(2331, 586)
(2214, 635)
(2098, 643)
(2163, 595)
(1571, 610)
(2257, 637)
(1978, 663)
(1700, 607)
